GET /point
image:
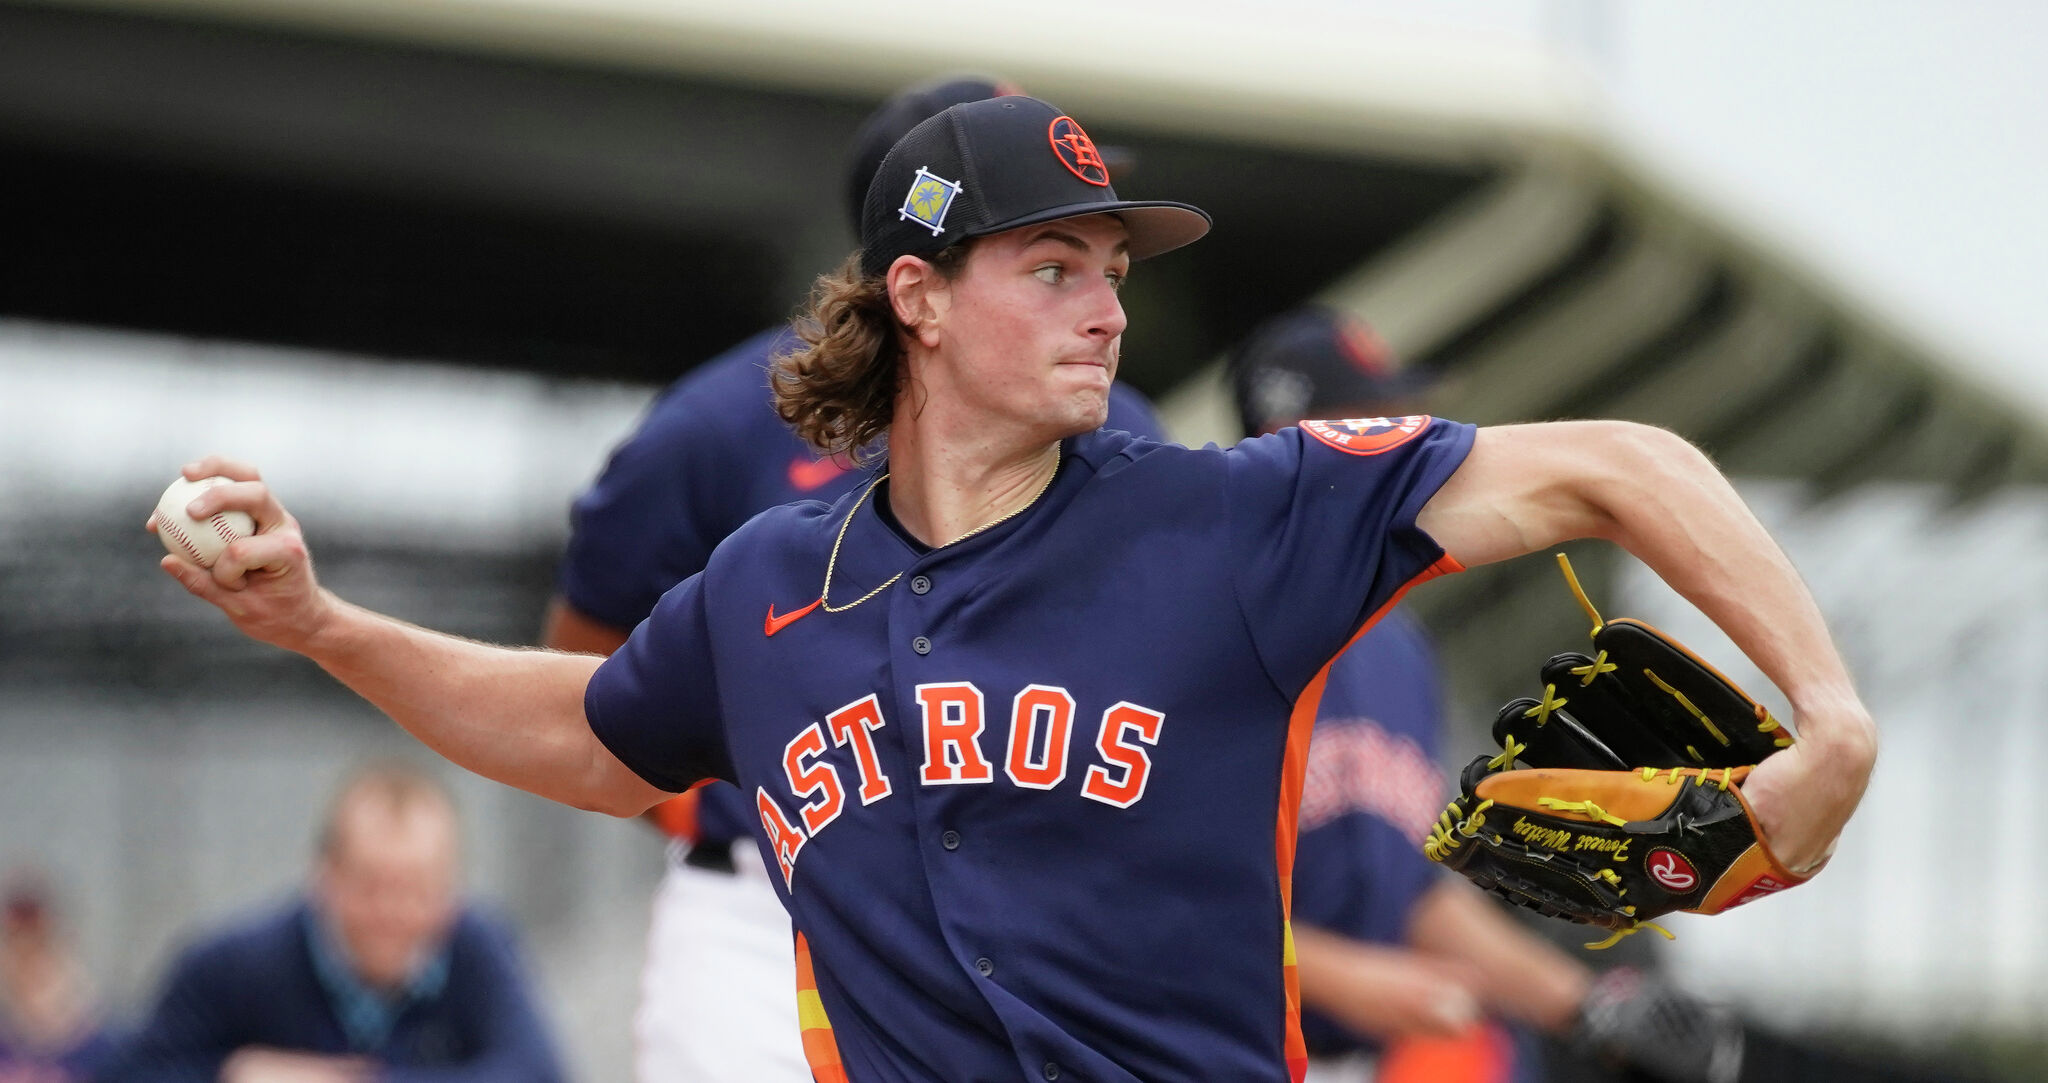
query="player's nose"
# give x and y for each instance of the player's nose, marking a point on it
(1106, 317)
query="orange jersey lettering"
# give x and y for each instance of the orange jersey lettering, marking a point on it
(1055, 707)
(1124, 787)
(855, 724)
(783, 837)
(817, 783)
(952, 731)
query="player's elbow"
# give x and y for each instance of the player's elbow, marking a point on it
(603, 784)
(1629, 467)
(1660, 448)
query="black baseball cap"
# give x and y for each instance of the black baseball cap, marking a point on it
(894, 118)
(1312, 360)
(987, 166)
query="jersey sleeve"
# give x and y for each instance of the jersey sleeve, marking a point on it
(1323, 534)
(654, 702)
(652, 517)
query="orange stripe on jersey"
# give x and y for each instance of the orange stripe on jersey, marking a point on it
(1293, 775)
(1483, 1054)
(821, 1050)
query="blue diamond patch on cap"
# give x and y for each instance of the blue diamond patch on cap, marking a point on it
(929, 198)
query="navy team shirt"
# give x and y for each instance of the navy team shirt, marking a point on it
(1373, 790)
(707, 457)
(1032, 805)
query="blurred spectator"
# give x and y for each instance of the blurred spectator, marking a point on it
(377, 972)
(49, 1027)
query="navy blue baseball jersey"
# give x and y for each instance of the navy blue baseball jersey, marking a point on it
(709, 455)
(1032, 803)
(1373, 789)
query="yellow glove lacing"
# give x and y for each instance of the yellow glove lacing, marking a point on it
(1599, 665)
(1689, 709)
(1671, 776)
(1542, 711)
(1453, 828)
(1618, 935)
(1769, 725)
(1587, 807)
(1579, 592)
(1507, 755)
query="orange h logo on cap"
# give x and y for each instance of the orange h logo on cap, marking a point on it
(1077, 152)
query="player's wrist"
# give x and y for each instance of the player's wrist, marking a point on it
(1830, 710)
(330, 630)
(1843, 734)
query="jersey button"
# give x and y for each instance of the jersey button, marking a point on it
(921, 645)
(950, 840)
(1052, 1071)
(921, 585)
(986, 965)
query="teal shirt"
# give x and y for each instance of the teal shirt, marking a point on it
(368, 1015)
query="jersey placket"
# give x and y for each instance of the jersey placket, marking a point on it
(931, 590)
(931, 672)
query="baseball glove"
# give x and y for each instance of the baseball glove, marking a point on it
(1617, 797)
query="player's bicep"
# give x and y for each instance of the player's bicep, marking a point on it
(1527, 487)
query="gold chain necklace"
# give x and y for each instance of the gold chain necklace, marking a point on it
(825, 595)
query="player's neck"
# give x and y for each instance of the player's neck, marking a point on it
(943, 491)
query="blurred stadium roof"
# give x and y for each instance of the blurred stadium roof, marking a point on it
(613, 187)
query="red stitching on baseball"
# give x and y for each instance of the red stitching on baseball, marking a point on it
(178, 535)
(222, 528)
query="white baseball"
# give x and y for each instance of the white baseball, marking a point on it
(189, 539)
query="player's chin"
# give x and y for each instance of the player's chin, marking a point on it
(1080, 378)
(1085, 408)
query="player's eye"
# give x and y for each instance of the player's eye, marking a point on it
(1052, 274)
(1116, 279)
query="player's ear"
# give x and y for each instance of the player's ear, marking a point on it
(917, 295)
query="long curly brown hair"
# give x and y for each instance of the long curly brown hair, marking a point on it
(839, 390)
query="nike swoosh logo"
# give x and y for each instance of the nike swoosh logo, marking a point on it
(776, 624)
(808, 474)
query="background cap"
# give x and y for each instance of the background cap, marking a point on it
(1311, 362)
(894, 118)
(986, 166)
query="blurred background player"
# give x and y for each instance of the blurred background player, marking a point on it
(378, 972)
(1398, 961)
(718, 992)
(50, 1028)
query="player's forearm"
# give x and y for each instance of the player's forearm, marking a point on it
(1383, 991)
(1526, 488)
(1681, 517)
(512, 715)
(1523, 976)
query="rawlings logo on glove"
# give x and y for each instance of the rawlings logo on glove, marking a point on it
(1617, 796)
